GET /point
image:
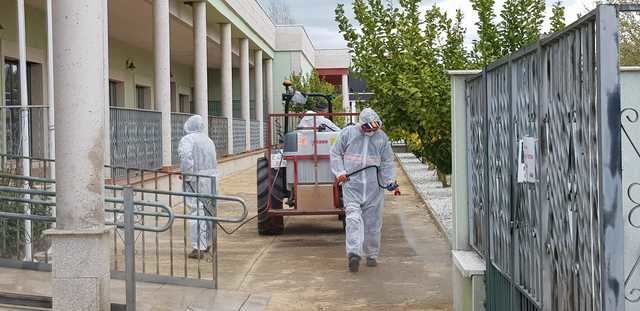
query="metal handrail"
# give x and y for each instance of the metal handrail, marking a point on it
(23, 107)
(239, 219)
(27, 201)
(29, 178)
(170, 215)
(118, 167)
(182, 113)
(27, 191)
(245, 211)
(21, 216)
(134, 109)
(169, 212)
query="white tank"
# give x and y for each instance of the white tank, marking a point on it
(302, 142)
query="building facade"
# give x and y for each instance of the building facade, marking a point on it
(167, 60)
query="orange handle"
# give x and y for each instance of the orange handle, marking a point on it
(396, 192)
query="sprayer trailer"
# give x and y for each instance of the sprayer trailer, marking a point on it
(294, 176)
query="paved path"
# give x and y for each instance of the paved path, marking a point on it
(150, 296)
(305, 269)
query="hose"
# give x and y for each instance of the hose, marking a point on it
(395, 184)
(275, 178)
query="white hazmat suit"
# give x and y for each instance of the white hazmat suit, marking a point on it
(363, 198)
(198, 157)
(307, 122)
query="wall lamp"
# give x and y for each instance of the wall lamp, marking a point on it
(130, 65)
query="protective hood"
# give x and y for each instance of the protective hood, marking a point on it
(194, 125)
(367, 115)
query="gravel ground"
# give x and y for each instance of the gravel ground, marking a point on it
(425, 180)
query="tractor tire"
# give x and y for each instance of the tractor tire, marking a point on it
(269, 224)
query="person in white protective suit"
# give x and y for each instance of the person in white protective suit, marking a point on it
(198, 157)
(357, 147)
(321, 123)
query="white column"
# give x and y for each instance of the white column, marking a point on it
(269, 85)
(81, 278)
(257, 65)
(50, 91)
(107, 107)
(244, 89)
(345, 92)
(226, 80)
(162, 72)
(200, 61)
(269, 89)
(24, 119)
(51, 139)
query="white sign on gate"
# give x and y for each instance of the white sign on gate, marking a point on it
(527, 160)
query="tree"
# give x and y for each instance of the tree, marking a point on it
(311, 83)
(629, 32)
(533, 11)
(557, 17)
(278, 11)
(404, 54)
(520, 25)
(487, 48)
(629, 35)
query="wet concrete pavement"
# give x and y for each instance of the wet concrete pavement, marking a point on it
(305, 268)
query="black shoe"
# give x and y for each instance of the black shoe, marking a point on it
(371, 262)
(354, 263)
(196, 254)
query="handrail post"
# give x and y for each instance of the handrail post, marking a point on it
(129, 249)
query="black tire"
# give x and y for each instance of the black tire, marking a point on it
(269, 224)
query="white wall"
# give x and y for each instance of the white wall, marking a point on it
(333, 58)
(120, 52)
(295, 38)
(251, 12)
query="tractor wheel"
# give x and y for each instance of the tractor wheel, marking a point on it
(269, 224)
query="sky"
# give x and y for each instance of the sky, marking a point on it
(318, 16)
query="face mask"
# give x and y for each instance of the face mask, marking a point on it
(369, 133)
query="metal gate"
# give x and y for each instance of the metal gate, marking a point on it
(555, 242)
(27, 208)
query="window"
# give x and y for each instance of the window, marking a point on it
(37, 122)
(185, 104)
(116, 93)
(12, 82)
(174, 103)
(143, 97)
